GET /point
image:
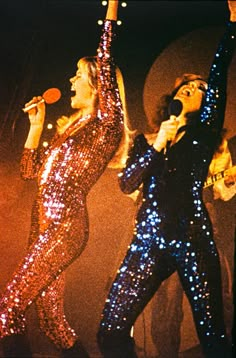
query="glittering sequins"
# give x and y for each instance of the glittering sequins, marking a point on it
(59, 229)
(172, 229)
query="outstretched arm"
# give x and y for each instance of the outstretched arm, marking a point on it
(109, 98)
(214, 103)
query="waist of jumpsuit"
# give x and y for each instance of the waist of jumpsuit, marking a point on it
(174, 198)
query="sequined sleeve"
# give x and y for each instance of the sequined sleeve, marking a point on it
(109, 97)
(140, 160)
(215, 100)
(29, 164)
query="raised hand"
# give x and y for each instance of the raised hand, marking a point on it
(112, 10)
(232, 9)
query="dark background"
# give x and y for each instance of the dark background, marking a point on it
(41, 42)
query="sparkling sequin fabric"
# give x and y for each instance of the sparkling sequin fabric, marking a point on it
(59, 230)
(172, 229)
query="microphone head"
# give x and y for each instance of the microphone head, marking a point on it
(51, 95)
(175, 108)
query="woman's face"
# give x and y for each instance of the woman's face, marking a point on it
(191, 94)
(80, 85)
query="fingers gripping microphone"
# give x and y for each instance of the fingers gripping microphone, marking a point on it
(174, 109)
(50, 96)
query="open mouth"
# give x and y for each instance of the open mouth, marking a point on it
(73, 93)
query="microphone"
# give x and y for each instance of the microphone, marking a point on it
(174, 109)
(50, 96)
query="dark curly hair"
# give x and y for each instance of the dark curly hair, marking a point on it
(162, 111)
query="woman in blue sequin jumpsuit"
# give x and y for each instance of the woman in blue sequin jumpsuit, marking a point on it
(172, 228)
(76, 158)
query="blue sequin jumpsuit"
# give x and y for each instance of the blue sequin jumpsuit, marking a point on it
(172, 228)
(59, 228)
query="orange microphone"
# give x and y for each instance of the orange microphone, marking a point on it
(50, 96)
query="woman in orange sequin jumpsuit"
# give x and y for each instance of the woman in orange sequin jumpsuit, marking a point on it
(75, 160)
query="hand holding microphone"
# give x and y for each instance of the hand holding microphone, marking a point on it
(36, 109)
(50, 96)
(168, 128)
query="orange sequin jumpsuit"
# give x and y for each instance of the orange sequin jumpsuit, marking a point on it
(59, 229)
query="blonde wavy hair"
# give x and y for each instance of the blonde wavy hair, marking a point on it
(119, 158)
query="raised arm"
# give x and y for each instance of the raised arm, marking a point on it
(109, 97)
(213, 112)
